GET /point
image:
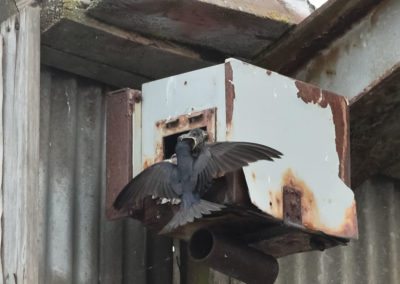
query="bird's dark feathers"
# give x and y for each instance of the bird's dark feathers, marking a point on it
(220, 158)
(214, 160)
(160, 180)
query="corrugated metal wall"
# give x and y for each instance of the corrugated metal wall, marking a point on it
(374, 258)
(82, 247)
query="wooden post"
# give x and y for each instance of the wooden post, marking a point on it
(20, 111)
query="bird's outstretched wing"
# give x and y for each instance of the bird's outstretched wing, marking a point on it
(217, 159)
(160, 180)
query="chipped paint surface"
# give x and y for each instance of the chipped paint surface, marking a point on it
(307, 125)
(173, 97)
(229, 97)
(339, 106)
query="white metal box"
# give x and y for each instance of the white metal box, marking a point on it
(307, 189)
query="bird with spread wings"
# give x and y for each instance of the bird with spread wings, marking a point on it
(197, 164)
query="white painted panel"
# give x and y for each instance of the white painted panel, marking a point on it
(173, 96)
(267, 110)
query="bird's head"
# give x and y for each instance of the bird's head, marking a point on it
(197, 135)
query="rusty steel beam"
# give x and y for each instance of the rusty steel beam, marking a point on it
(120, 107)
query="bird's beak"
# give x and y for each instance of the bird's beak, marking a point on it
(188, 136)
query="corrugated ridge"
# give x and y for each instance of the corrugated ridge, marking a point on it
(81, 246)
(374, 258)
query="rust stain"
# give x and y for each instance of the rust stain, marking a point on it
(185, 122)
(118, 147)
(159, 152)
(197, 119)
(349, 228)
(147, 163)
(340, 113)
(229, 97)
(309, 208)
(310, 211)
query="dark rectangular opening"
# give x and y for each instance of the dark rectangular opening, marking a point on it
(169, 143)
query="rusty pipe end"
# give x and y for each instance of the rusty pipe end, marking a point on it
(201, 244)
(233, 258)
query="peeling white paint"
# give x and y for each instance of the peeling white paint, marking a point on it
(266, 110)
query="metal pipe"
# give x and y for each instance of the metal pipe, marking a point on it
(232, 258)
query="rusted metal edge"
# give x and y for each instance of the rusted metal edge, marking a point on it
(340, 114)
(299, 45)
(229, 97)
(119, 111)
(182, 123)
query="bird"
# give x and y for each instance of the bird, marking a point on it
(189, 174)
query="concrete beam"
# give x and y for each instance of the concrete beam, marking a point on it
(364, 66)
(315, 33)
(7, 9)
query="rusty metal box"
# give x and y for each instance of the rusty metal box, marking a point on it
(306, 193)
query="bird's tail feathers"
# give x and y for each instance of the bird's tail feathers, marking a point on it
(189, 214)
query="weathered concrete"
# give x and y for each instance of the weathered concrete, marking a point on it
(364, 66)
(7, 8)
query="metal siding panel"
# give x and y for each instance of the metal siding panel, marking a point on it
(61, 183)
(45, 82)
(72, 181)
(81, 246)
(373, 258)
(88, 183)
